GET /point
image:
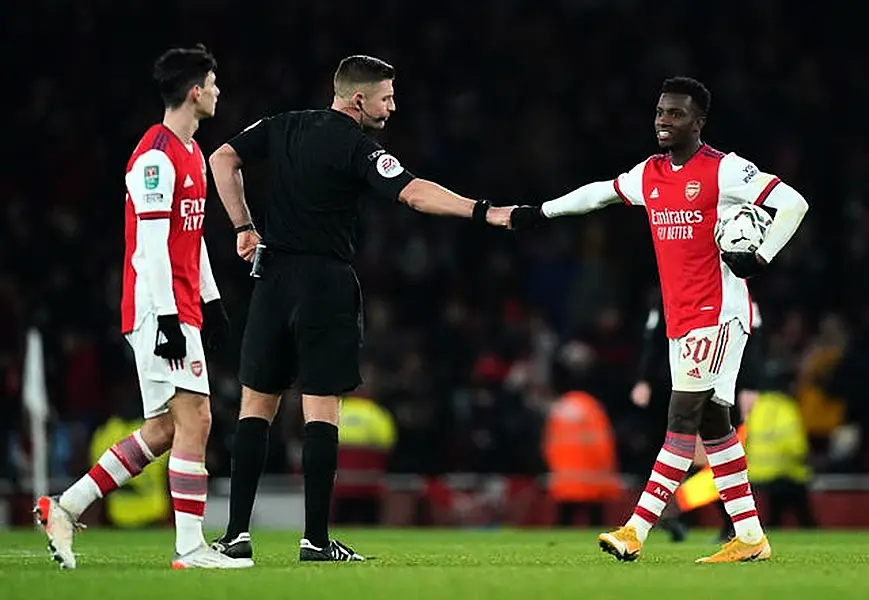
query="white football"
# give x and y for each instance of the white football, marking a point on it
(741, 228)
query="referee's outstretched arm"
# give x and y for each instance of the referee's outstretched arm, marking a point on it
(419, 194)
(316, 146)
(429, 197)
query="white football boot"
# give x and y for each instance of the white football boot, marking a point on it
(59, 527)
(207, 558)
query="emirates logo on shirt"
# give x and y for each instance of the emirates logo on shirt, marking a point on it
(675, 224)
(192, 213)
(692, 190)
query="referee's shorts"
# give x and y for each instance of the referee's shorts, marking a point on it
(304, 322)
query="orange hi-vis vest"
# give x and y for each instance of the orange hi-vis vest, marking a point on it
(579, 448)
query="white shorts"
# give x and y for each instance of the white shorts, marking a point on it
(157, 380)
(709, 359)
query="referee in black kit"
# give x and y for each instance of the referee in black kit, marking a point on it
(305, 315)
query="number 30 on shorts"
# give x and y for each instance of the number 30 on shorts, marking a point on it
(697, 349)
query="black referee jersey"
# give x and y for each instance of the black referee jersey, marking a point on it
(321, 164)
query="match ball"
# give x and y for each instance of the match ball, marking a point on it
(741, 228)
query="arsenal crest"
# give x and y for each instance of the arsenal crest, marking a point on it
(692, 190)
(196, 367)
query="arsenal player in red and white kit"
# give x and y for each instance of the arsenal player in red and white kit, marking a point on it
(169, 296)
(707, 307)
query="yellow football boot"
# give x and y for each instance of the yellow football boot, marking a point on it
(621, 543)
(738, 551)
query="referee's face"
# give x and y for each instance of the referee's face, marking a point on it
(378, 104)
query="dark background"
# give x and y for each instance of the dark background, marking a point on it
(519, 102)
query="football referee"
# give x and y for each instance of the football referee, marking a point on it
(305, 316)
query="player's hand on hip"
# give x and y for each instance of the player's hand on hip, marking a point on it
(245, 244)
(526, 217)
(744, 264)
(170, 343)
(499, 216)
(215, 324)
(641, 394)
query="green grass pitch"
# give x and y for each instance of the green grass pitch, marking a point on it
(455, 565)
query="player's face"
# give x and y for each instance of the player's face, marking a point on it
(206, 96)
(676, 123)
(378, 104)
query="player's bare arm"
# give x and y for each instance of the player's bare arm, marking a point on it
(587, 198)
(370, 101)
(226, 169)
(429, 197)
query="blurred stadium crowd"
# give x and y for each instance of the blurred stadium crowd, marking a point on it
(470, 333)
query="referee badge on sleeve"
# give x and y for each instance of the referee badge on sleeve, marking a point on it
(388, 166)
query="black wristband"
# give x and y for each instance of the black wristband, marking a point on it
(245, 227)
(480, 210)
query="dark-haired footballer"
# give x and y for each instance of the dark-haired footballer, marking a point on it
(170, 303)
(707, 306)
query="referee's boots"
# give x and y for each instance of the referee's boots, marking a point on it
(335, 552)
(237, 547)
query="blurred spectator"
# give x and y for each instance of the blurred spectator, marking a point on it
(367, 437)
(777, 449)
(581, 455)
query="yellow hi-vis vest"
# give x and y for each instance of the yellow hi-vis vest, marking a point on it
(776, 443)
(367, 435)
(366, 423)
(144, 500)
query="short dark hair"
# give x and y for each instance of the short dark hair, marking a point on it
(359, 70)
(179, 69)
(689, 87)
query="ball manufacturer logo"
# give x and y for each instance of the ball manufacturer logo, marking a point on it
(692, 190)
(196, 368)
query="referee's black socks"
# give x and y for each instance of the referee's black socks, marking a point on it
(319, 464)
(249, 450)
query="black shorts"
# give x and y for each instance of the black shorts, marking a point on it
(304, 322)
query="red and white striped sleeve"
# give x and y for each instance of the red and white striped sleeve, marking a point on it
(629, 186)
(740, 181)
